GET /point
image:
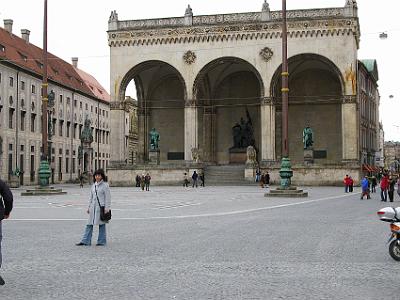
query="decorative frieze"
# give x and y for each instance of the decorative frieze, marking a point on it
(189, 57)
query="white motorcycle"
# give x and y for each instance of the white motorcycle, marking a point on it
(392, 215)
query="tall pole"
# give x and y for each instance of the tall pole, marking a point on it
(44, 87)
(285, 172)
(285, 84)
(44, 169)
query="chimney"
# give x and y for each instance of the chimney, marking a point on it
(75, 62)
(8, 25)
(25, 34)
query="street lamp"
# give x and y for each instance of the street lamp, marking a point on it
(44, 169)
(285, 172)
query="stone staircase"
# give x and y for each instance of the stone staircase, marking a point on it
(230, 175)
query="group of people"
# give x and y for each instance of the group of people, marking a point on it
(143, 181)
(262, 178)
(195, 179)
(387, 186)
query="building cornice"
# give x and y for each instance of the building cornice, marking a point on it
(259, 31)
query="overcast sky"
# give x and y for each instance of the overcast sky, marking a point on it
(78, 28)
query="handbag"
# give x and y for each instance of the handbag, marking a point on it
(105, 217)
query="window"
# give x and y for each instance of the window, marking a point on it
(22, 127)
(61, 99)
(74, 132)
(22, 85)
(68, 101)
(80, 105)
(11, 81)
(33, 89)
(61, 126)
(10, 118)
(2, 48)
(86, 106)
(75, 103)
(33, 120)
(68, 128)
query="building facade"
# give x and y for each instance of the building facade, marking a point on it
(77, 96)
(368, 98)
(199, 77)
(392, 156)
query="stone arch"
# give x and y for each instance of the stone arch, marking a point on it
(224, 90)
(316, 89)
(143, 66)
(161, 92)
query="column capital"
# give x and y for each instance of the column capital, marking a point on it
(190, 103)
(349, 99)
(117, 105)
(267, 101)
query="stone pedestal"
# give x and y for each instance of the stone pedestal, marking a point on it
(308, 156)
(237, 156)
(14, 181)
(154, 157)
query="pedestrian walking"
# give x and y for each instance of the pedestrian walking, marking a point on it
(81, 180)
(374, 182)
(147, 179)
(262, 180)
(258, 175)
(365, 188)
(202, 179)
(185, 180)
(194, 178)
(351, 184)
(6, 205)
(384, 188)
(142, 182)
(392, 183)
(266, 180)
(398, 186)
(99, 196)
(137, 180)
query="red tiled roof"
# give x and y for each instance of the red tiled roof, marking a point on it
(29, 57)
(94, 85)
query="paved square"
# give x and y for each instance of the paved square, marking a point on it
(204, 243)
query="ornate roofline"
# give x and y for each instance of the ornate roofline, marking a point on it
(233, 18)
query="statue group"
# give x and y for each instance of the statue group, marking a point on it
(243, 133)
(154, 139)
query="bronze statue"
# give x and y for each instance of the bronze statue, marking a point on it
(154, 139)
(307, 137)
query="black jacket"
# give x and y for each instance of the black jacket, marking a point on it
(6, 202)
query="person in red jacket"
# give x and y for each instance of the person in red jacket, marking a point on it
(384, 187)
(346, 182)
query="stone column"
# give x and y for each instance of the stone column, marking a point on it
(117, 138)
(209, 134)
(350, 129)
(267, 130)
(191, 129)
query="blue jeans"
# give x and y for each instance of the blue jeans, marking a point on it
(1, 236)
(383, 195)
(87, 236)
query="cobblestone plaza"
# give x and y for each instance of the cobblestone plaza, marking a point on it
(205, 243)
